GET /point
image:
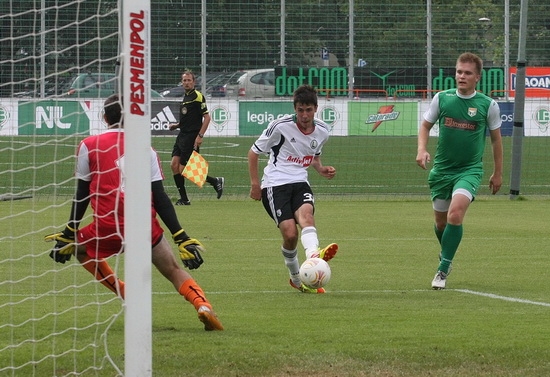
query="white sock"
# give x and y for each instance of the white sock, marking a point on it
(310, 242)
(291, 262)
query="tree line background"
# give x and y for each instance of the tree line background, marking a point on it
(81, 36)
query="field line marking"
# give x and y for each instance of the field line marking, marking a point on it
(504, 298)
(391, 291)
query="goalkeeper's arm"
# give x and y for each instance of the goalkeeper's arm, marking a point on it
(189, 248)
(65, 240)
(80, 203)
(164, 207)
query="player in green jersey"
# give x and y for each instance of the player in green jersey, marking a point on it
(464, 116)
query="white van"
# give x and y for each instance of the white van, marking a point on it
(257, 83)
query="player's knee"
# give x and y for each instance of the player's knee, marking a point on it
(81, 254)
(455, 217)
(175, 164)
(290, 240)
(440, 225)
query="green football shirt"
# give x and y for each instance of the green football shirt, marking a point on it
(463, 125)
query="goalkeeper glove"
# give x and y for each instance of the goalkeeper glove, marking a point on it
(190, 250)
(64, 244)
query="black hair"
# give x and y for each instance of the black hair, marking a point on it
(113, 110)
(306, 95)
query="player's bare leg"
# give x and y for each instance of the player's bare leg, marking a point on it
(165, 261)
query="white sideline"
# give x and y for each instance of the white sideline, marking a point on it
(504, 298)
(467, 291)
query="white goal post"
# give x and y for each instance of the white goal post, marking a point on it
(57, 320)
(137, 114)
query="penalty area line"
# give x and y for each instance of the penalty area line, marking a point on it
(504, 298)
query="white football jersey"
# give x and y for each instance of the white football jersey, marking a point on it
(290, 151)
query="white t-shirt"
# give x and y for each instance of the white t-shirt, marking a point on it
(290, 150)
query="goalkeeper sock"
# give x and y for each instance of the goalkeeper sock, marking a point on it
(438, 233)
(452, 235)
(193, 293)
(291, 262)
(104, 274)
(310, 241)
(180, 184)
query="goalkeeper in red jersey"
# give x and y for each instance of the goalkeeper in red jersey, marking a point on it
(100, 183)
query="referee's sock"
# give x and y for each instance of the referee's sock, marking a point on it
(180, 184)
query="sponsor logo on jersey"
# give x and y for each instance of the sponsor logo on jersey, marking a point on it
(460, 124)
(305, 161)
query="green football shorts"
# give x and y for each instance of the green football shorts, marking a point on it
(442, 186)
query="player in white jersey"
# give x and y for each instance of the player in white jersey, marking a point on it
(293, 143)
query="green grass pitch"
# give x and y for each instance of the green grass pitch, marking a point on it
(379, 317)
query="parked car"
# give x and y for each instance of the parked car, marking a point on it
(176, 91)
(218, 85)
(257, 83)
(225, 85)
(94, 85)
(51, 89)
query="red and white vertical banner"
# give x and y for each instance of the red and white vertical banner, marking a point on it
(136, 91)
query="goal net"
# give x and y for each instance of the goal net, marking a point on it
(60, 59)
(58, 63)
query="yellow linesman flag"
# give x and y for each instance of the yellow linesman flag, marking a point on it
(196, 169)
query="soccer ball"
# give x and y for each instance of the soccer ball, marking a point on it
(315, 273)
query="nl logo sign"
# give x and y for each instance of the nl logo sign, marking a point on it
(55, 117)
